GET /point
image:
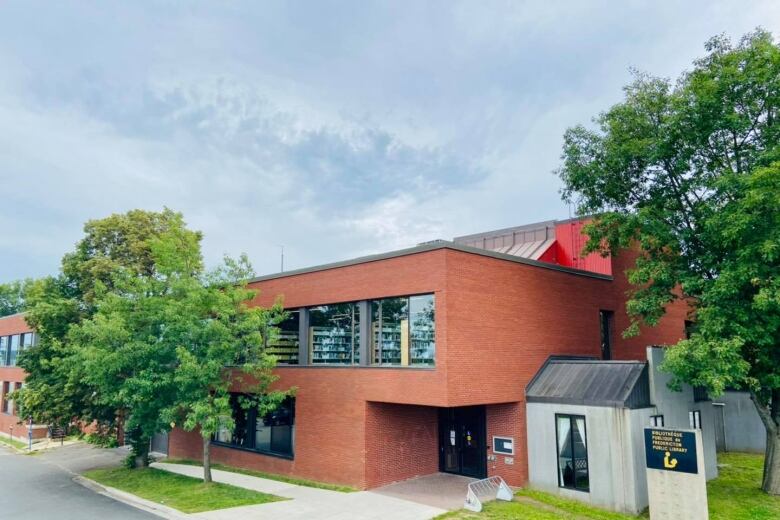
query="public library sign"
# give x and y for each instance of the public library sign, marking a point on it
(676, 484)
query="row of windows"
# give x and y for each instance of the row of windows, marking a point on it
(273, 433)
(400, 332)
(10, 346)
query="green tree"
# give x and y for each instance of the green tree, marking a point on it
(12, 296)
(688, 174)
(223, 345)
(55, 390)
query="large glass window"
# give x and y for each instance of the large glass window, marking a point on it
(571, 439)
(334, 334)
(285, 345)
(3, 350)
(13, 350)
(403, 331)
(273, 433)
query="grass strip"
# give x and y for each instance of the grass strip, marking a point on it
(187, 494)
(270, 476)
(13, 442)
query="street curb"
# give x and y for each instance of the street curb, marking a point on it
(131, 500)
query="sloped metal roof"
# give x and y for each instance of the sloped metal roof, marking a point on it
(617, 384)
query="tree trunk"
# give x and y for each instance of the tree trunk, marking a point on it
(142, 454)
(771, 481)
(206, 459)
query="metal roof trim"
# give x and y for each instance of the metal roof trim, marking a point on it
(424, 248)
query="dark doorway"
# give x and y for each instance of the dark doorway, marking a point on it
(605, 320)
(720, 427)
(462, 444)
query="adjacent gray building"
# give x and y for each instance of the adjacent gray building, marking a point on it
(586, 420)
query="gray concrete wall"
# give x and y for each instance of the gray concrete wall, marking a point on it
(615, 454)
(743, 427)
(674, 406)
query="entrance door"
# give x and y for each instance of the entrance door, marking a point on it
(462, 444)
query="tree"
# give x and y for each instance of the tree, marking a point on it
(55, 390)
(225, 347)
(688, 174)
(12, 299)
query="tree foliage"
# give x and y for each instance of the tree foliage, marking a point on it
(135, 327)
(12, 296)
(689, 172)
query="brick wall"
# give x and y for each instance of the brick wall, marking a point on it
(496, 323)
(9, 325)
(401, 442)
(508, 420)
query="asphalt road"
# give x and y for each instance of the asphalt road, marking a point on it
(41, 487)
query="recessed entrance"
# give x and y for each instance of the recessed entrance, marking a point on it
(462, 444)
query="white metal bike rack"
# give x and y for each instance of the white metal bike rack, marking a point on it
(492, 488)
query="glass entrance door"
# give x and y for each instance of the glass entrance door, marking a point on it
(462, 444)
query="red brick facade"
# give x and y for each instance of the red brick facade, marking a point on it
(497, 321)
(402, 441)
(10, 424)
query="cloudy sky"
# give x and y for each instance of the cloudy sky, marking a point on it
(335, 128)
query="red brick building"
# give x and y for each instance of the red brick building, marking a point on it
(15, 336)
(411, 362)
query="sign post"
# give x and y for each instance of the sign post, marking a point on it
(676, 484)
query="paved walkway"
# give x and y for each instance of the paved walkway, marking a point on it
(442, 490)
(308, 503)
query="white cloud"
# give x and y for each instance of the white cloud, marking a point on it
(336, 130)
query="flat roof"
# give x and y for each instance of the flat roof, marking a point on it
(433, 246)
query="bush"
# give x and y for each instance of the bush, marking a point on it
(102, 440)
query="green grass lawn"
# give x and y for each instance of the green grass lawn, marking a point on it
(13, 442)
(270, 476)
(189, 495)
(735, 495)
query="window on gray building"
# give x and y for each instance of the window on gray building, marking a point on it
(694, 417)
(571, 441)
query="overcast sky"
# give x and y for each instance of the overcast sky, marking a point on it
(337, 129)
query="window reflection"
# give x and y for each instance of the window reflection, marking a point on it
(334, 334)
(285, 345)
(403, 331)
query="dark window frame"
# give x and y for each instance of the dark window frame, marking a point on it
(251, 419)
(654, 421)
(572, 425)
(694, 418)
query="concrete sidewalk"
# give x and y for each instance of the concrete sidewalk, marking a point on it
(307, 503)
